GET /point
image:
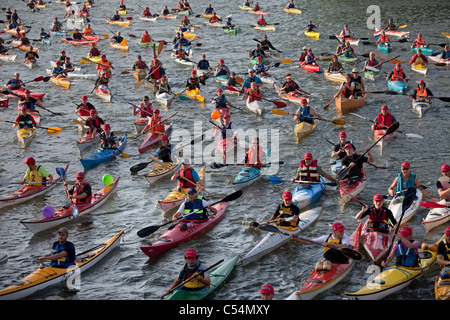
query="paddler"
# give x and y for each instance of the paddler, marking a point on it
(194, 208)
(93, 51)
(346, 33)
(372, 63)
(209, 9)
(156, 124)
(68, 66)
(336, 240)
(405, 180)
(104, 64)
(391, 25)
(164, 152)
(84, 109)
(156, 71)
(116, 17)
(215, 18)
(63, 251)
(194, 82)
(405, 250)
(84, 12)
(15, 83)
(250, 79)
(77, 35)
(229, 25)
(192, 267)
(117, 38)
(290, 85)
(221, 102)
(257, 52)
(260, 68)
(346, 89)
(309, 171)
(36, 174)
(31, 55)
(383, 38)
(286, 214)
(419, 42)
(162, 86)
(109, 139)
(310, 58)
(181, 54)
(355, 161)
(24, 41)
(443, 254)
(253, 93)
(340, 48)
(185, 24)
(348, 51)
(339, 151)
(44, 35)
(57, 26)
(397, 74)
(443, 183)
(445, 55)
(261, 21)
(165, 11)
(58, 71)
(267, 45)
(103, 79)
(421, 93)
(358, 84)
(146, 37)
(232, 81)
(62, 57)
(255, 157)
(384, 119)
(381, 218)
(226, 129)
(311, 27)
(203, 64)
(418, 58)
(222, 69)
(94, 123)
(187, 176)
(81, 192)
(146, 13)
(267, 292)
(29, 102)
(335, 65)
(145, 109)
(187, 6)
(139, 64)
(122, 6)
(257, 7)
(24, 119)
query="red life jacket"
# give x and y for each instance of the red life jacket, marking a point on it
(419, 42)
(254, 95)
(372, 63)
(398, 75)
(378, 219)
(77, 190)
(188, 175)
(384, 120)
(347, 91)
(145, 38)
(308, 173)
(146, 111)
(254, 157)
(384, 39)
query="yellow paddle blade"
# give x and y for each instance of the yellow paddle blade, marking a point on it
(78, 122)
(200, 98)
(239, 79)
(280, 112)
(138, 84)
(446, 34)
(287, 61)
(403, 26)
(54, 130)
(125, 155)
(105, 35)
(338, 122)
(82, 61)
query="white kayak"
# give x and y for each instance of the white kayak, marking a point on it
(273, 240)
(255, 106)
(164, 98)
(77, 75)
(437, 216)
(396, 207)
(420, 107)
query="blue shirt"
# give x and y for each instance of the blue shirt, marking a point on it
(248, 81)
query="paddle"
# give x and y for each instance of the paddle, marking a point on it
(431, 204)
(342, 173)
(348, 252)
(277, 103)
(271, 48)
(409, 135)
(62, 173)
(277, 180)
(50, 129)
(10, 92)
(192, 277)
(407, 202)
(204, 76)
(161, 121)
(335, 96)
(141, 82)
(334, 121)
(140, 166)
(151, 229)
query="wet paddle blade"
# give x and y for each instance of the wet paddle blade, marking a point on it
(275, 180)
(279, 112)
(431, 204)
(279, 104)
(140, 166)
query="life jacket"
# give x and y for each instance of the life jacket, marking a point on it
(421, 94)
(213, 19)
(104, 65)
(347, 91)
(35, 177)
(64, 262)
(223, 129)
(446, 185)
(25, 121)
(447, 250)
(94, 123)
(88, 30)
(398, 75)
(165, 153)
(372, 63)
(203, 64)
(193, 83)
(94, 52)
(107, 142)
(193, 285)
(84, 111)
(346, 33)
(254, 95)
(384, 120)
(77, 190)
(383, 39)
(197, 207)
(419, 42)
(378, 219)
(357, 82)
(15, 84)
(254, 157)
(334, 255)
(145, 38)
(29, 104)
(188, 175)
(146, 13)
(308, 173)
(305, 115)
(405, 256)
(155, 73)
(162, 87)
(220, 102)
(262, 22)
(146, 110)
(286, 212)
(409, 184)
(157, 126)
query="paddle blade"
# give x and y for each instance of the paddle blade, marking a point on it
(54, 130)
(279, 112)
(147, 231)
(393, 128)
(269, 228)
(75, 211)
(338, 122)
(140, 166)
(275, 180)
(431, 204)
(279, 104)
(61, 172)
(232, 197)
(184, 98)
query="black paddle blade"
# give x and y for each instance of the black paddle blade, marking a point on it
(232, 197)
(409, 198)
(147, 231)
(350, 253)
(269, 228)
(393, 128)
(342, 173)
(138, 167)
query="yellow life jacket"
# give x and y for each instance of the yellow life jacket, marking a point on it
(193, 284)
(34, 176)
(331, 240)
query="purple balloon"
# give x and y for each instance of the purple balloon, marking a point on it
(48, 211)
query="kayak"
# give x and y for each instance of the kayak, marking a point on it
(21, 93)
(101, 155)
(236, 92)
(255, 106)
(88, 39)
(310, 67)
(161, 170)
(63, 82)
(230, 30)
(30, 63)
(139, 74)
(344, 104)
(118, 46)
(73, 23)
(222, 79)
(352, 187)
(419, 68)
(226, 147)
(343, 58)
(168, 16)
(176, 197)
(371, 73)
(265, 28)
(258, 13)
(384, 47)
(42, 278)
(185, 62)
(377, 134)
(77, 75)
(245, 8)
(393, 33)
(442, 288)
(421, 107)
(376, 244)
(53, 65)
(103, 92)
(393, 279)
(59, 33)
(396, 207)
(123, 12)
(216, 24)
(148, 44)
(436, 217)
(218, 276)
(25, 135)
(195, 94)
(302, 129)
(353, 42)
(65, 213)
(292, 10)
(183, 231)
(307, 193)
(293, 96)
(320, 281)
(334, 76)
(119, 23)
(184, 13)
(26, 48)
(425, 50)
(148, 18)
(151, 139)
(87, 140)
(399, 86)
(437, 59)
(273, 240)
(164, 98)
(29, 191)
(312, 34)
(4, 102)
(247, 175)
(8, 57)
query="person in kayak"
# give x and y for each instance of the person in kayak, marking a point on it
(156, 71)
(405, 250)
(335, 65)
(391, 25)
(102, 80)
(372, 63)
(68, 66)
(194, 208)
(222, 69)
(421, 93)
(340, 48)
(260, 68)
(156, 124)
(384, 119)
(162, 86)
(261, 21)
(58, 71)
(291, 86)
(267, 291)
(418, 58)
(445, 55)
(346, 33)
(347, 51)
(229, 24)
(36, 174)
(232, 81)
(358, 84)
(310, 58)
(146, 13)
(291, 5)
(94, 123)
(77, 35)
(192, 269)
(15, 83)
(286, 214)
(31, 55)
(257, 52)
(226, 129)
(146, 37)
(255, 157)
(185, 24)
(104, 64)
(250, 79)
(187, 176)
(339, 151)
(443, 254)
(85, 107)
(311, 27)
(306, 113)
(405, 180)
(139, 64)
(215, 18)
(165, 11)
(116, 17)
(29, 102)
(257, 7)
(347, 88)
(397, 74)
(117, 38)
(336, 240)
(109, 139)
(309, 170)
(267, 45)
(24, 119)
(63, 251)
(443, 183)
(93, 51)
(209, 9)
(203, 64)
(381, 219)
(221, 101)
(254, 93)
(81, 192)
(122, 6)
(164, 152)
(383, 38)
(355, 161)
(145, 109)
(194, 82)
(44, 35)
(419, 42)
(56, 26)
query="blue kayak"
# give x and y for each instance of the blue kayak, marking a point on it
(425, 50)
(399, 86)
(101, 155)
(248, 175)
(384, 47)
(305, 194)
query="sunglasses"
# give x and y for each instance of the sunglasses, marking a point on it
(405, 169)
(80, 178)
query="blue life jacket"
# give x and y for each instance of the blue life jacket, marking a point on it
(197, 207)
(305, 116)
(408, 258)
(68, 260)
(409, 183)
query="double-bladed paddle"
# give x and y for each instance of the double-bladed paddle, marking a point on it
(278, 180)
(277, 103)
(431, 204)
(334, 121)
(151, 229)
(50, 129)
(62, 173)
(348, 252)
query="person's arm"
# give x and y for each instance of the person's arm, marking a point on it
(391, 189)
(424, 191)
(361, 214)
(210, 208)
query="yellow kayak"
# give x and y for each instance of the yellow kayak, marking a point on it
(334, 76)
(195, 94)
(303, 128)
(139, 74)
(25, 135)
(119, 23)
(245, 8)
(265, 28)
(420, 68)
(121, 46)
(209, 16)
(293, 10)
(123, 12)
(63, 82)
(312, 34)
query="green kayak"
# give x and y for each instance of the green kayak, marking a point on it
(218, 275)
(347, 59)
(148, 44)
(253, 62)
(227, 30)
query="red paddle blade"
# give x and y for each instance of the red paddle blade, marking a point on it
(431, 204)
(230, 88)
(279, 103)
(39, 78)
(129, 18)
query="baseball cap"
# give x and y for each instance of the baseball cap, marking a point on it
(63, 230)
(226, 116)
(267, 289)
(406, 165)
(287, 195)
(348, 145)
(406, 231)
(190, 253)
(30, 160)
(84, 98)
(165, 137)
(92, 111)
(338, 226)
(106, 126)
(185, 161)
(308, 155)
(384, 107)
(447, 231)
(342, 134)
(445, 168)
(378, 197)
(192, 191)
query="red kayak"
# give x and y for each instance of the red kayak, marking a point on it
(376, 244)
(21, 93)
(87, 140)
(88, 39)
(175, 236)
(313, 67)
(226, 147)
(152, 139)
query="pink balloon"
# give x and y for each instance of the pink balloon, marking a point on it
(48, 211)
